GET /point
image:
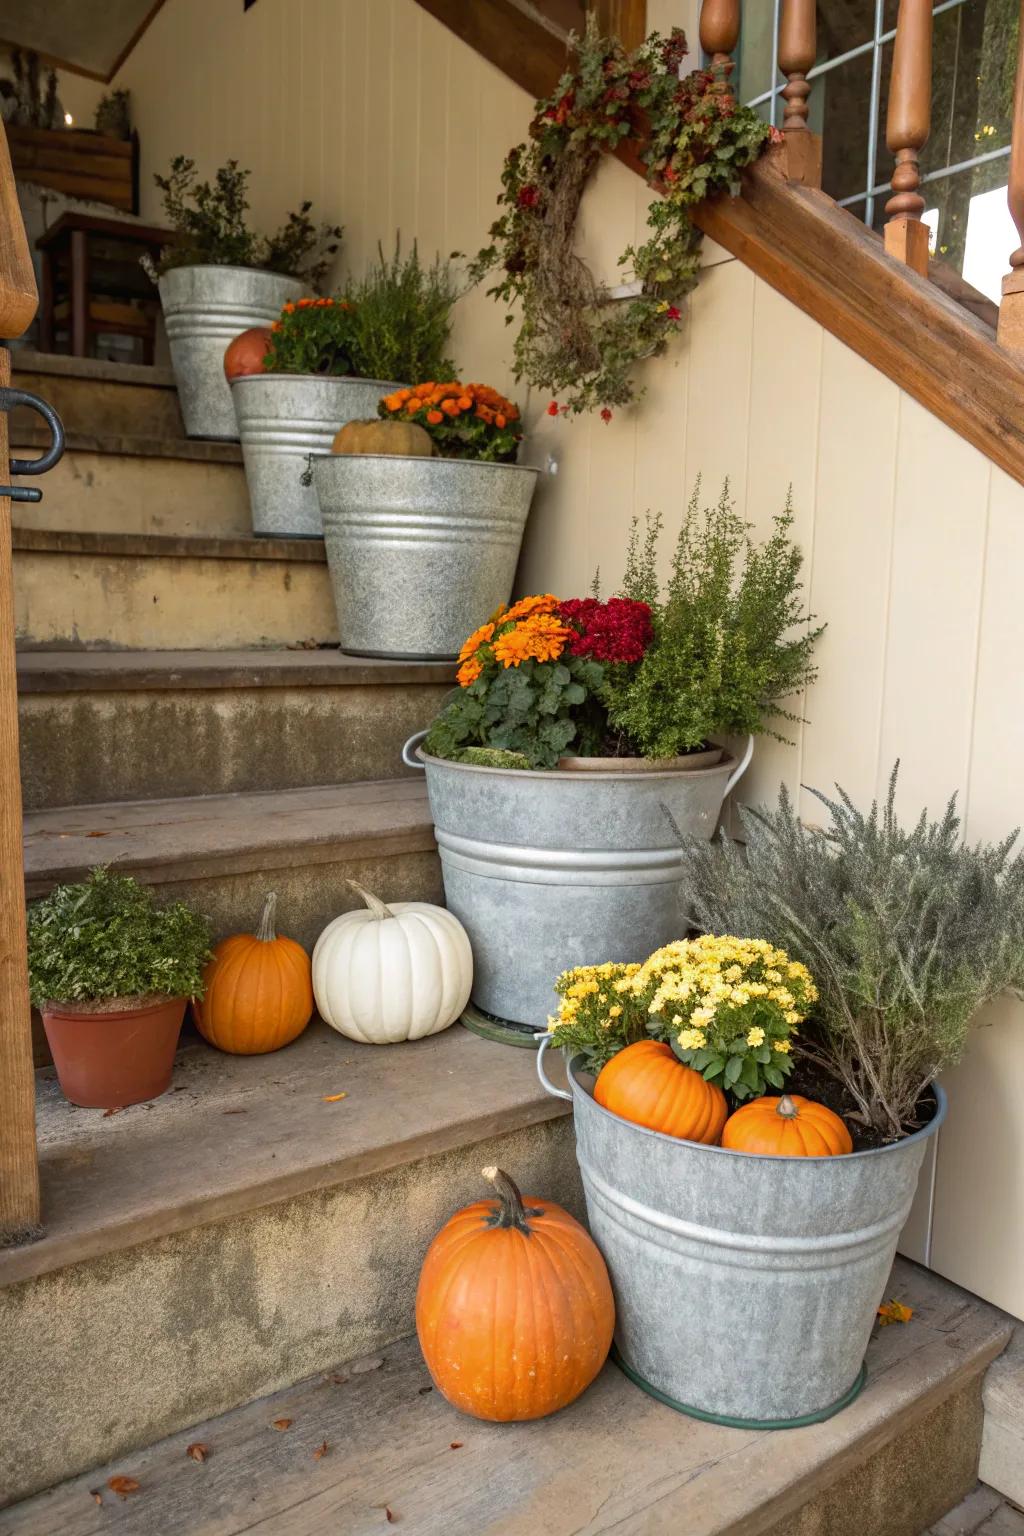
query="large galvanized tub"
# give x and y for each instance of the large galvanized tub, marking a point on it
(205, 308)
(547, 870)
(282, 419)
(420, 550)
(745, 1287)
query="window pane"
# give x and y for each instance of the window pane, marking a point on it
(840, 103)
(754, 59)
(844, 24)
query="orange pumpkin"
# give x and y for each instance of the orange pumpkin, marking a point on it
(787, 1127)
(514, 1309)
(245, 354)
(259, 991)
(648, 1084)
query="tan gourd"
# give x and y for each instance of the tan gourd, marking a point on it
(397, 437)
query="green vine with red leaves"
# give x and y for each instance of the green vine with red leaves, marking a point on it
(574, 339)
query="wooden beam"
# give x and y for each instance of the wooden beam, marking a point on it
(18, 297)
(624, 19)
(524, 50)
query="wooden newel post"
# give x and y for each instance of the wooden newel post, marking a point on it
(907, 127)
(1011, 310)
(798, 49)
(19, 1167)
(719, 34)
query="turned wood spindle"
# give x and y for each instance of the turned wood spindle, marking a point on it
(798, 48)
(719, 34)
(906, 133)
(1011, 310)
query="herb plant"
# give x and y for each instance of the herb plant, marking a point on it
(907, 930)
(212, 231)
(107, 938)
(402, 317)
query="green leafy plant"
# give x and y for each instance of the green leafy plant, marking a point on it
(402, 318)
(211, 227)
(908, 932)
(114, 114)
(464, 421)
(731, 638)
(107, 938)
(573, 338)
(311, 336)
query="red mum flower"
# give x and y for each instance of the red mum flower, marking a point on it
(672, 313)
(619, 630)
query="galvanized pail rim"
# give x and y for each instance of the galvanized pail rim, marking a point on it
(227, 266)
(413, 458)
(941, 1106)
(565, 775)
(384, 385)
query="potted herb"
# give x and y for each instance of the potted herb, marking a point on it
(218, 277)
(420, 543)
(548, 866)
(328, 361)
(111, 971)
(907, 933)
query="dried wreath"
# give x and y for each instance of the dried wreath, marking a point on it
(574, 338)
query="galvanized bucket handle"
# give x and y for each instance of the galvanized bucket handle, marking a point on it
(545, 1081)
(410, 748)
(741, 767)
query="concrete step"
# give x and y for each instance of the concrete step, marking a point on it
(128, 467)
(241, 1232)
(392, 1452)
(1002, 1448)
(118, 591)
(143, 725)
(224, 852)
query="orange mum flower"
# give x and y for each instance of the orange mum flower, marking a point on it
(478, 638)
(450, 407)
(540, 638)
(435, 418)
(545, 602)
(469, 672)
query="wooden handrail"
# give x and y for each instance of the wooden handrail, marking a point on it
(798, 47)
(19, 1165)
(1011, 311)
(907, 127)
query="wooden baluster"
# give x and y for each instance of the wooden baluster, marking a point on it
(719, 34)
(1011, 310)
(907, 126)
(798, 48)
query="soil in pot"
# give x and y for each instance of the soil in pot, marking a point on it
(116, 1053)
(813, 1082)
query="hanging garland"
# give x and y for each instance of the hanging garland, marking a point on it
(574, 339)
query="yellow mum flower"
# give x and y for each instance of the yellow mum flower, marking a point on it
(692, 1039)
(791, 1016)
(782, 1046)
(615, 1010)
(756, 1036)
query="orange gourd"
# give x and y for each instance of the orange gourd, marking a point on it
(787, 1127)
(245, 354)
(514, 1309)
(259, 991)
(648, 1084)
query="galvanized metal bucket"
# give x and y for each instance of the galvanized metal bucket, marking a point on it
(282, 419)
(547, 870)
(745, 1287)
(420, 550)
(205, 308)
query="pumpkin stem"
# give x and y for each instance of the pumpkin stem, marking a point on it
(376, 906)
(511, 1211)
(266, 932)
(786, 1108)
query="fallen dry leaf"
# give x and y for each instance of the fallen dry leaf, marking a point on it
(197, 1451)
(283, 1423)
(122, 1485)
(332, 1098)
(321, 1450)
(389, 1515)
(97, 834)
(456, 1445)
(335, 1379)
(115, 1110)
(371, 1363)
(424, 1390)
(894, 1312)
(96, 1496)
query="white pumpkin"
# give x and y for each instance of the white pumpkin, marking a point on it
(384, 974)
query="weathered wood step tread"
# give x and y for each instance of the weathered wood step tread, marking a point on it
(197, 835)
(161, 546)
(132, 445)
(238, 1132)
(62, 365)
(127, 671)
(616, 1461)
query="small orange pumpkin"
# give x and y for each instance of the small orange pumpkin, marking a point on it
(514, 1308)
(245, 354)
(787, 1127)
(648, 1084)
(259, 991)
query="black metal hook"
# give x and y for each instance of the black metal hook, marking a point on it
(9, 398)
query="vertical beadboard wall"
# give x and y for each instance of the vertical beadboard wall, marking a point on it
(913, 541)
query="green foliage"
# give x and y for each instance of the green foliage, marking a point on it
(597, 1015)
(212, 230)
(527, 709)
(312, 336)
(401, 319)
(573, 338)
(731, 638)
(114, 114)
(107, 938)
(492, 757)
(463, 421)
(908, 932)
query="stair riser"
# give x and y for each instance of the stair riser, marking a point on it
(99, 407)
(81, 748)
(110, 493)
(75, 601)
(310, 883)
(156, 1338)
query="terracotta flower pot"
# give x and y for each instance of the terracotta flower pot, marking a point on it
(117, 1057)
